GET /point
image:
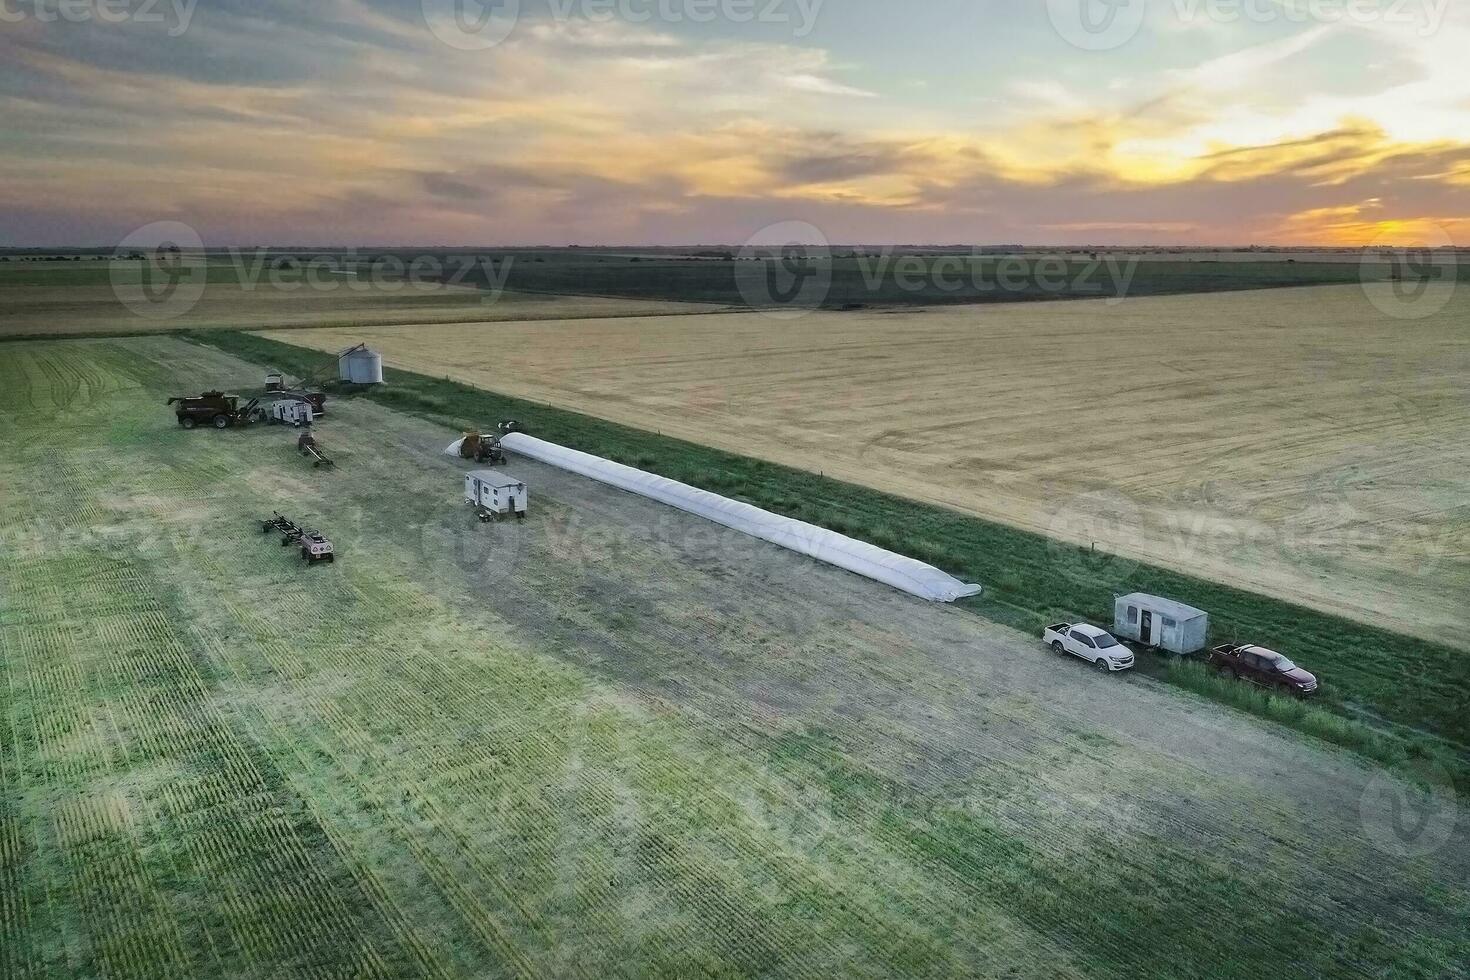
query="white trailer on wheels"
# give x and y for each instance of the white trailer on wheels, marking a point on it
(495, 494)
(292, 412)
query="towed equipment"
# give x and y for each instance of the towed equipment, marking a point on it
(314, 545)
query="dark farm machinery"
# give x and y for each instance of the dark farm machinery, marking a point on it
(217, 409)
(485, 448)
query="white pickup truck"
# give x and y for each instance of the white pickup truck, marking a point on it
(1097, 646)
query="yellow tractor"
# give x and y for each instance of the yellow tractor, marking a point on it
(482, 449)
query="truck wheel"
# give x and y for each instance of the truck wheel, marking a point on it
(1057, 648)
(1229, 674)
(1102, 666)
(188, 422)
(1284, 690)
(221, 421)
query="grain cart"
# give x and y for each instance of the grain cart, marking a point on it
(280, 385)
(494, 495)
(314, 545)
(316, 400)
(217, 409)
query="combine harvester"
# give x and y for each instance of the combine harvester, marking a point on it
(217, 409)
(902, 573)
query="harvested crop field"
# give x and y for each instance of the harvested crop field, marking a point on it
(611, 740)
(1300, 443)
(52, 299)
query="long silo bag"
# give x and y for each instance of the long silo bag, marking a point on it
(906, 574)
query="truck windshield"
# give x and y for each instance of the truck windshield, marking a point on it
(1105, 641)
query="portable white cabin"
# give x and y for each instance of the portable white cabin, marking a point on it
(499, 493)
(1161, 623)
(292, 412)
(360, 366)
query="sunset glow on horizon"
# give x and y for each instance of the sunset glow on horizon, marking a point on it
(954, 121)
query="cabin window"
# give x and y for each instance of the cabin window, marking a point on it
(1133, 615)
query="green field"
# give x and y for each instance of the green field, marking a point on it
(79, 298)
(907, 278)
(608, 741)
(275, 289)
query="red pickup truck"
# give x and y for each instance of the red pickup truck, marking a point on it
(1266, 668)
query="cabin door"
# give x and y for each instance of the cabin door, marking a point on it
(1146, 627)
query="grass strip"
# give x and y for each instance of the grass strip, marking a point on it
(1396, 699)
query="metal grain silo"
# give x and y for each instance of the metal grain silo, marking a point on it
(360, 365)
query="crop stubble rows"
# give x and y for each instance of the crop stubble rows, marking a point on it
(220, 762)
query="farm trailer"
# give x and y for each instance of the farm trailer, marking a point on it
(495, 494)
(292, 411)
(1163, 624)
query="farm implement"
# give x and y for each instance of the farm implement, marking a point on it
(279, 385)
(314, 545)
(312, 450)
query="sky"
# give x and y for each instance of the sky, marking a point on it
(668, 122)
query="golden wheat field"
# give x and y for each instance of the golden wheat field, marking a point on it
(1301, 442)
